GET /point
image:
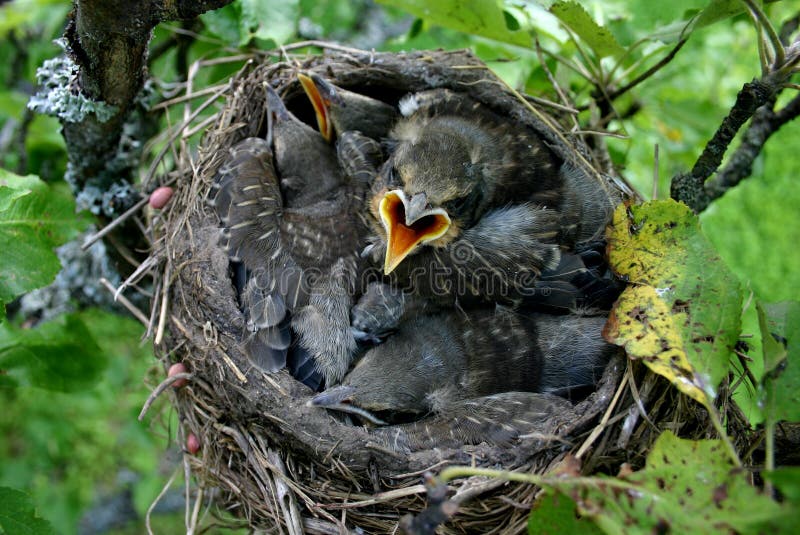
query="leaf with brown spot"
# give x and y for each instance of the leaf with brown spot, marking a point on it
(643, 324)
(686, 486)
(681, 314)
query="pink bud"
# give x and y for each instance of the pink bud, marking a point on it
(178, 367)
(192, 443)
(160, 197)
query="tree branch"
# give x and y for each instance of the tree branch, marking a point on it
(765, 122)
(96, 93)
(755, 100)
(690, 188)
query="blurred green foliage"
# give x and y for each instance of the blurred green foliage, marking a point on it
(67, 450)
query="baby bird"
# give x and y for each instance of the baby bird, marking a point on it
(291, 220)
(475, 206)
(432, 362)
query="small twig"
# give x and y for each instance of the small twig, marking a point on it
(560, 92)
(183, 98)
(235, 369)
(224, 60)
(454, 472)
(764, 59)
(595, 70)
(746, 372)
(122, 249)
(637, 397)
(153, 505)
(602, 133)
(616, 93)
(723, 435)
(198, 502)
(199, 127)
(153, 309)
(655, 172)
(769, 451)
(577, 68)
(166, 383)
(324, 45)
(139, 272)
(124, 301)
(178, 131)
(383, 497)
(554, 105)
(162, 320)
(120, 219)
(777, 47)
(601, 426)
(422, 471)
(115, 223)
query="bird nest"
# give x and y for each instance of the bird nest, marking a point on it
(284, 465)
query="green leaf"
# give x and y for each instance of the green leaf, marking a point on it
(224, 23)
(60, 354)
(242, 21)
(575, 17)
(34, 219)
(686, 487)
(681, 314)
(718, 10)
(478, 17)
(268, 19)
(787, 480)
(556, 514)
(781, 359)
(18, 515)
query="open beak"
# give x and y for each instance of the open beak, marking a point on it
(322, 95)
(407, 225)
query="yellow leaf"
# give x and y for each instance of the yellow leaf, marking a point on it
(644, 324)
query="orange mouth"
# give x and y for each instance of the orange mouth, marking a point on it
(404, 236)
(320, 104)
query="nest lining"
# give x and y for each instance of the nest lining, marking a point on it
(286, 466)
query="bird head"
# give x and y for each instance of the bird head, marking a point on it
(339, 110)
(435, 185)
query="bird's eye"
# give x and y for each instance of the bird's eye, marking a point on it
(457, 206)
(464, 205)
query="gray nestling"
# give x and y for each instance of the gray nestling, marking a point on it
(291, 216)
(473, 205)
(434, 361)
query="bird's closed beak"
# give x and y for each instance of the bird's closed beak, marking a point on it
(408, 223)
(337, 399)
(333, 396)
(321, 94)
